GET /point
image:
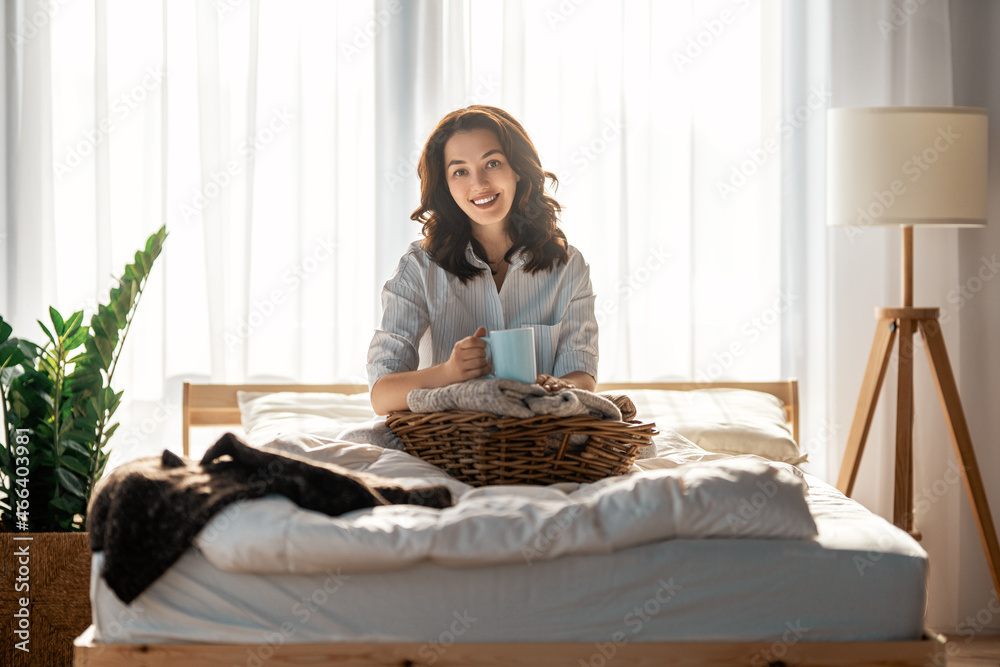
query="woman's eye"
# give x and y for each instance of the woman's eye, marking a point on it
(458, 172)
(493, 163)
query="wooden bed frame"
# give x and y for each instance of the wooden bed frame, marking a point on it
(216, 405)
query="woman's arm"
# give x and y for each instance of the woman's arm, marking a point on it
(577, 352)
(581, 380)
(574, 380)
(467, 361)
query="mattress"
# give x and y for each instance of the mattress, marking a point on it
(860, 579)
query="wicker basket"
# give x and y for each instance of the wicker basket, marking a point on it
(483, 448)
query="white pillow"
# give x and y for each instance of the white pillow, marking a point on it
(270, 416)
(728, 421)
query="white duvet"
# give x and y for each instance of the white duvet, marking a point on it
(683, 493)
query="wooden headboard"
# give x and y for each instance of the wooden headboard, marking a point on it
(216, 404)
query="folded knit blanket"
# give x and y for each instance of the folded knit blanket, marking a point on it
(147, 512)
(624, 404)
(511, 398)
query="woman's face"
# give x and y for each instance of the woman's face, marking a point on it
(480, 179)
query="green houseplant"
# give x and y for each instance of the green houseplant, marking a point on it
(58, 405)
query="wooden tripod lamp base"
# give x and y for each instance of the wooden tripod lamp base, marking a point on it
(905, 322)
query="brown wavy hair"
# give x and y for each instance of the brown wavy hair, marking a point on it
(532, 224)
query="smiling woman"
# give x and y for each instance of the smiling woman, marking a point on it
(483, 187)
(492, 257)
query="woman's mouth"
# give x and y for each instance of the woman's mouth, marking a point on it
(485, 202)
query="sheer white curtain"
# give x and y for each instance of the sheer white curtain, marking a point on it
(277, 142)
(246, 130)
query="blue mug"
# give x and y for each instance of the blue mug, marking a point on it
(512, 353)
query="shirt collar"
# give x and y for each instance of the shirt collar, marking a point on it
(520, 256)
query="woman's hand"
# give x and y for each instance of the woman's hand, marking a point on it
(468, 358)
(552, 383)
(574, 380)
(467, 361)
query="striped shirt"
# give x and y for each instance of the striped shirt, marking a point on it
(426, 310)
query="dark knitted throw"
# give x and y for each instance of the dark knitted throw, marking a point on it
(146, 513)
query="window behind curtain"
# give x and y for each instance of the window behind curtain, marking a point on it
(278, 142)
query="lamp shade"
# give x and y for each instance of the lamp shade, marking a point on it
(906, 166)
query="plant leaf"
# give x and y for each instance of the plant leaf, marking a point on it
(140, 268)
(81, 468)
(111, 430)
(69, 482)
(104, 344)
(74, 322)
(66, 504)
(10, 355)
(75, 339)
(58, 325)
(47, 332)
(30, 349)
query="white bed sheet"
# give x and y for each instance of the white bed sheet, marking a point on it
(860, 579)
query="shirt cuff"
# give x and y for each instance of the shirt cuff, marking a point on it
(575, 360)
(378, 369)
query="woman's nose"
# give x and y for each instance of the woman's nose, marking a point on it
(481, 179)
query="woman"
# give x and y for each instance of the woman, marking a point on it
(492, 257)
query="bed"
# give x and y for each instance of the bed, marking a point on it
(735, 605)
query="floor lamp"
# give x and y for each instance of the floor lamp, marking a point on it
(910, 166)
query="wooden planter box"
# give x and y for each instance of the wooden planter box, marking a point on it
(54, 579)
